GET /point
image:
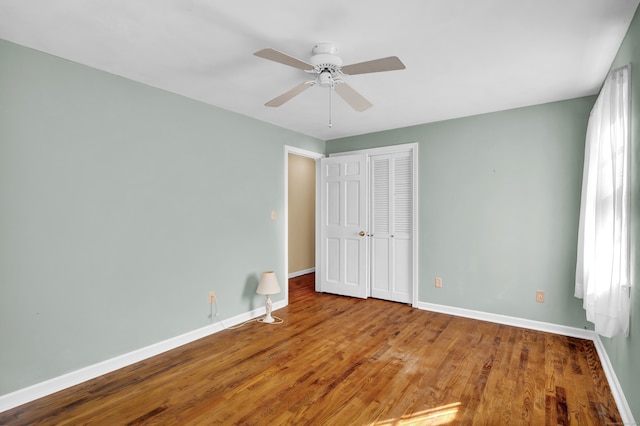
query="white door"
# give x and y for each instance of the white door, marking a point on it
(391, 226)
(343, 238)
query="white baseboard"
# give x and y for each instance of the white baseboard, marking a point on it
(303, 272)
(507, 320)
(39, 390)
(614, 384)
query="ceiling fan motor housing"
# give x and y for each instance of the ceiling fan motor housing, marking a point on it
(325, 59)
(324, 48)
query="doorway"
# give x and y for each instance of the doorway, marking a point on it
(300, 216)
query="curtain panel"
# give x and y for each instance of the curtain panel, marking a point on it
(604, 255)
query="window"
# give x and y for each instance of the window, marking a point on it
(604, 256)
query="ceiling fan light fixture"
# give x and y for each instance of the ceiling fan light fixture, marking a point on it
(325, 79)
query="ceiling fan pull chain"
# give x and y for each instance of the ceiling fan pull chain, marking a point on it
(330, 90)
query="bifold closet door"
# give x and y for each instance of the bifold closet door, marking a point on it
(390, 231)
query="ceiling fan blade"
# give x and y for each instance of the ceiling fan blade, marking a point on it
(353, 98)
(283, 58)
(391, 63)
(276, 102)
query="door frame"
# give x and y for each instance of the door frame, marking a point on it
(303, 153)
(389, 149)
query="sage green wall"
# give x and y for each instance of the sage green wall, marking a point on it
(624, 352)
(499, 199)
(121, 207)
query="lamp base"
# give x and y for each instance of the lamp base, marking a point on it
(268, 306)
(268, 319)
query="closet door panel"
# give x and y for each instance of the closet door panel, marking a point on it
(403, 265)
(380, 274)
(391, 221)
(343, 224)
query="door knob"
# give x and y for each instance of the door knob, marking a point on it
(361, 233)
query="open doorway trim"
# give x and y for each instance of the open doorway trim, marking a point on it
(303, 153)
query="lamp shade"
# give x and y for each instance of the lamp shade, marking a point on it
(268, 283)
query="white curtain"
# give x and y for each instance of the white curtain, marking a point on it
(603, 264)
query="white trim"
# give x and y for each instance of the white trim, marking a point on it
(388, 149)
(416, 231)
(614, 384)
(303, 152)
(507, 320)
(391, 149)
(56, 384)
(303, 272)
(318, 216)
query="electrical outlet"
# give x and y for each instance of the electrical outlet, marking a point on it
(212, 297)
(438, 282)
(540, 296)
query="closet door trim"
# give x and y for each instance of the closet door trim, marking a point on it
(413, 149)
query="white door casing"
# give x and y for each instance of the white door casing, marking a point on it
(392, 232)
(343, 226)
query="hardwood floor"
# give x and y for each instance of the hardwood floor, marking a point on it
(343, 361)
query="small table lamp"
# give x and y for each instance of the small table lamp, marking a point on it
(268, 285)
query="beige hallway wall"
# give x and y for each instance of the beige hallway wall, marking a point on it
(302, 208)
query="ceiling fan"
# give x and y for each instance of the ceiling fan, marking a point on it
(326, 68)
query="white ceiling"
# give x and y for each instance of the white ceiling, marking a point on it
(463, 57)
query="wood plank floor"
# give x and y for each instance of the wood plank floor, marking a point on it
(343, 361)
